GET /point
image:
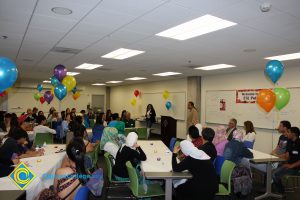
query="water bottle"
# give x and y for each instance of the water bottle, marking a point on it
(145, 186)
(45, 144)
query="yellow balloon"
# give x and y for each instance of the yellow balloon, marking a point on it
(69, 82)
(133, 102)
(52, 90)
(166, 94)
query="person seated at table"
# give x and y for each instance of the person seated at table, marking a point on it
(98, 129)
(123, 115)
(49, 117)
(129, 123)
(130, 151)
(65, 123)
(5, 124)
(235, 149)
(26, 122)
(208, 147)
(29, 112)
(10, 151)
(203, 184)
(111, 141)
(80, 131)
(231, 128)
(103, 117)
(34, 112)
(220, 140)
(85, 119)
(90, 114)
(108, 116)
(120, 126)
(41, 128)
(40, 113)
(292, 156)
(283, 128)
(73, 110)
(77, 121)
(249, 132)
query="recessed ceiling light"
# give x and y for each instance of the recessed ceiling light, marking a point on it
(46, 81)
(98, 84)
(135, 78)
(167, 74)
(122, 53)
(199, 26)
(292, 56)
(214, 67)
(114, 81)
(72, 73)
(61, 11)
(88, 66)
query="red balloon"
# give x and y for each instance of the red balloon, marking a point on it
(2, 94)
(136, 93)
(42, 100)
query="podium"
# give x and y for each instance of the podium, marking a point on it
(168, 129)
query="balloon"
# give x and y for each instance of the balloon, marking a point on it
(76, 95)
(54, 81)
(8, 73)
(282, 97)
(274, 70)
(74, 90)
(2, 94)
(136, 93)
(52, 91)
(133, 102)
(37, 96)
(60, 91)
(48, 96)
(60, 72)
(39, 87)
(42, 100)
(166, 94)
(168, 105)
(266, 99)
(69, 82)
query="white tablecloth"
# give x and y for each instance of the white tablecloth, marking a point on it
(46, 164)
(159, 157)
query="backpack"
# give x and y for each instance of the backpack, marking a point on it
(242, 181)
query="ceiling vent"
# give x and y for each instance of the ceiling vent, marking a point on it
(65, 50)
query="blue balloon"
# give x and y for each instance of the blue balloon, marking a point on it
(60, 91)
(274, 70)
(39, 87)
(74, 90)
(54, 81)
(168, 105)
(8, 73)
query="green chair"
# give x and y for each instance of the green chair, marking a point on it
(142, 133)
(92, 123)
(137, 189)
(41, 138)
(94, 156)
(128, 130)
(225, 178)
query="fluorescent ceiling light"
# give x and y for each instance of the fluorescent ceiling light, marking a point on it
(199, 26)
(122, 53)
(291, 56)
(114, 81)
(88, 66)
(214, 67)
(72, 73)
(46, 81)
(135, 78)
(167, 74)
(98, 84)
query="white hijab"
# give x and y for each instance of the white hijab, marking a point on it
(131, 139)
(189, 149)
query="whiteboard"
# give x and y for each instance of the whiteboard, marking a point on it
(177, 111)
(252, 112)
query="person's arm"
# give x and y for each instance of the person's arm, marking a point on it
(227, 153)
(179, 167)
(247, 153)
(195, 119)
(139, 154)
(49, 130)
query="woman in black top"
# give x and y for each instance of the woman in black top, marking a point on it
(150, 115)
(130, 151)
(203, 185)
(208, 147)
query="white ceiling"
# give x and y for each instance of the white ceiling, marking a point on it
(98, 27)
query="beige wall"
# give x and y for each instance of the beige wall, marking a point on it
(265, 139)
(120, 97)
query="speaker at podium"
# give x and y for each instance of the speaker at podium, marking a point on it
(168, 129)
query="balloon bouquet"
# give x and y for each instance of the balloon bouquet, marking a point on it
(280, 97)
(166, 95)
(8, 75)
(136, 93)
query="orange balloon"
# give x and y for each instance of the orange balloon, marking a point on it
(266, 99)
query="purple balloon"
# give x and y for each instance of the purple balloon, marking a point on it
(60, 72)
(48, 96)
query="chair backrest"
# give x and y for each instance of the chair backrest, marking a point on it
(109, 166)
(249, 144)
(128, 130)
(218, 163)
(96, 152)
(226, 173)
(142, 133)
(172, 143)
(134, 181)
(82, 193)
(41, 138)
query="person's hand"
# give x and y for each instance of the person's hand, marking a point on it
(136, 145)
(16, 161)
(287, 166)
(176, 149)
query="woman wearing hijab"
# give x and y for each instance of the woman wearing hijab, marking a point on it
(220, 140)
(198, 163)
(130, 151)
(235, 150)
(111, 141)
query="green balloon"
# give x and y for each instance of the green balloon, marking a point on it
(282, 97)
(37, 96)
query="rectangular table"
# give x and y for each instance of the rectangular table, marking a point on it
(159, 164)
(260, 158)
(46, 164)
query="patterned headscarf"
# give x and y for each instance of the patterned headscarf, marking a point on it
(220, 135)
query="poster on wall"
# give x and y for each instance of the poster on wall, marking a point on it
(222, 105)
(246, 95)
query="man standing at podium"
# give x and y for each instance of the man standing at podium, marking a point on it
(192, 116)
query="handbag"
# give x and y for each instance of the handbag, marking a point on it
(95, 183)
